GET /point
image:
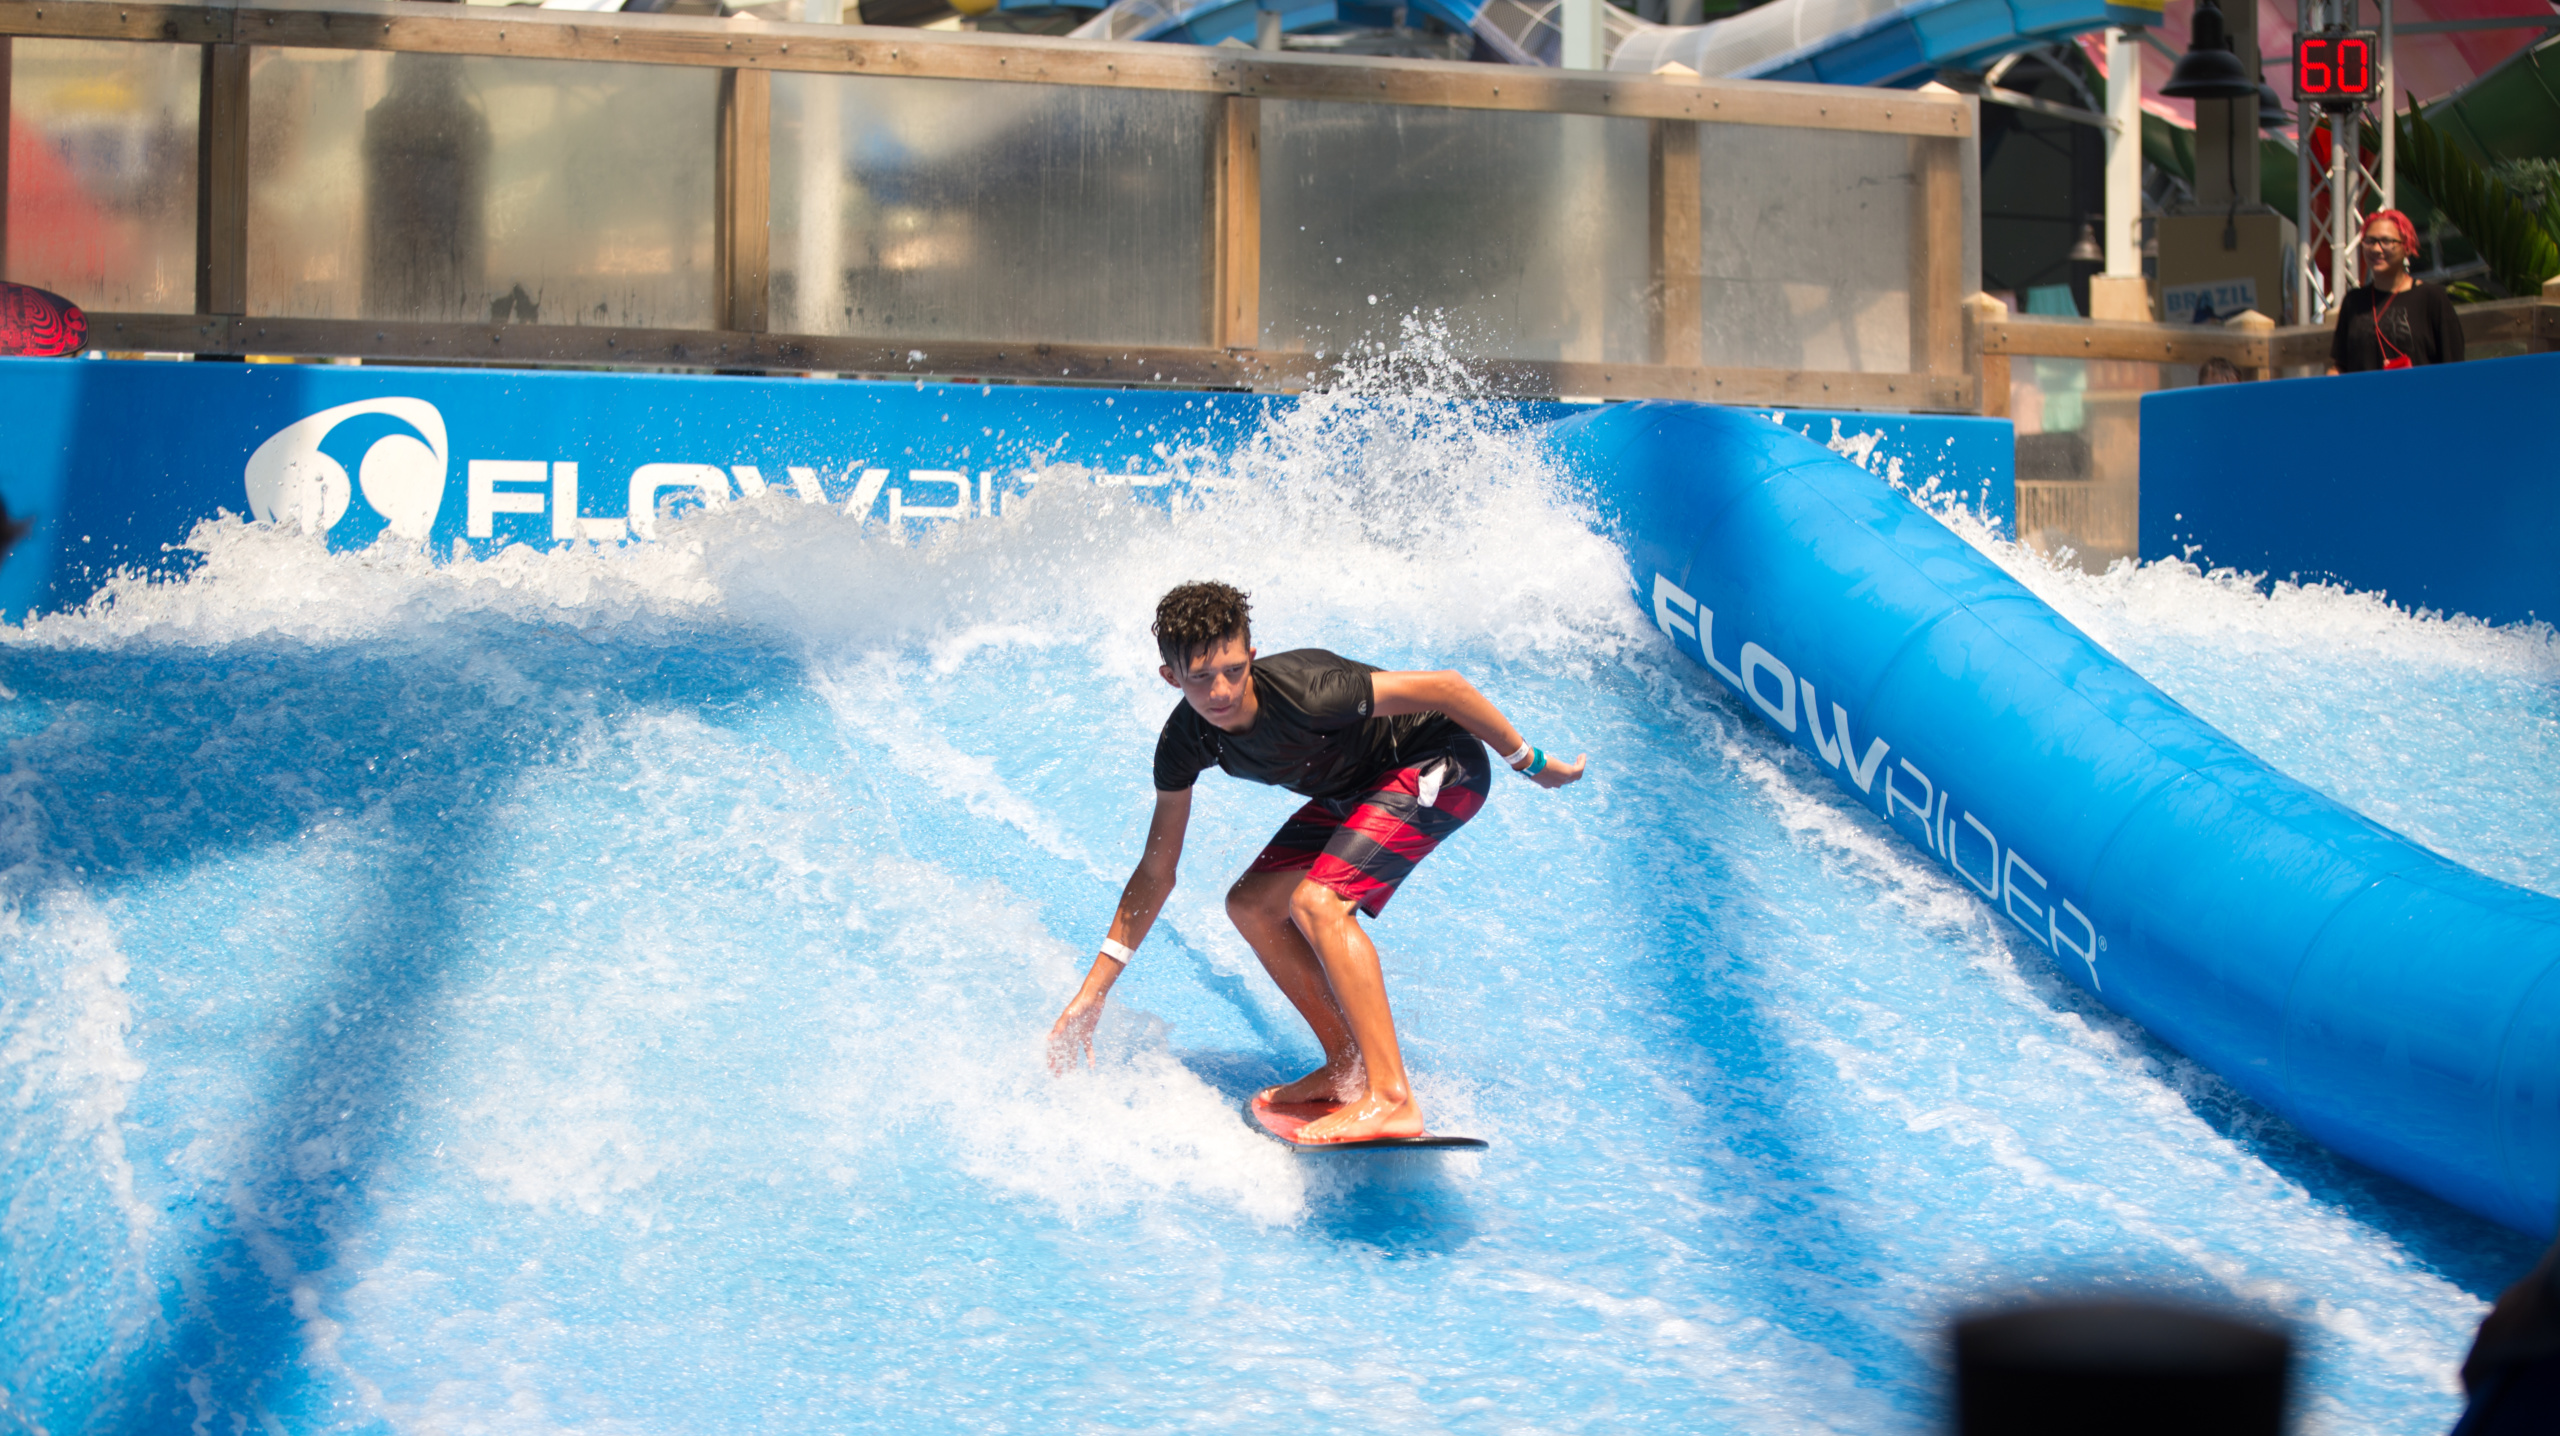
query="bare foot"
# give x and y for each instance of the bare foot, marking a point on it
(1368, 1117)
(1328, 1083)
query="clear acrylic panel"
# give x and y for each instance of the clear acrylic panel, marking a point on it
(2079, 427)
(1524, 234)
(1805, 248)
(942, 209)
(102, 173)
(470, 188)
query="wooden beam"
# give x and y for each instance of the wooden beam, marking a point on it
(1787, 388)
(174, 24)
(222, 182)
(2532, 322)
(2501, 321)
(2125, 339)
(610, 347)
(521, 344)
(1675, 250)
(855, 49)
(743, 231)
(1937, 256)
(1236, 226)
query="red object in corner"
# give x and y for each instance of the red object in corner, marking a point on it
(36, 324)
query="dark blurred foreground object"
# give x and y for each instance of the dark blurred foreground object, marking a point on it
(37, 325)
(2097, 1368)
(12, 530)
(2513, 1372)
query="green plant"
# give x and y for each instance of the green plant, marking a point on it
(2517, 235)
(2532, 181)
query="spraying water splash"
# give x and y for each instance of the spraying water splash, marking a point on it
(543, 991)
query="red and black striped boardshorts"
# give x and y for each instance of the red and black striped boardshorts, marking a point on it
(1362, 847)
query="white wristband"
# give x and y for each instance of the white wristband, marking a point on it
(1516, 759)
(1120, 950)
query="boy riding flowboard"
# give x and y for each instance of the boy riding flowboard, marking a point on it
(1391, 764)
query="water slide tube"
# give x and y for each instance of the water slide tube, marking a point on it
(2399, 1007)
(1866, 42)
(1839, 42)
(1211, 22)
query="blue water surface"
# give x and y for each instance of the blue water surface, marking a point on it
(603, 991)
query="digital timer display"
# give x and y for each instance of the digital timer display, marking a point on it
(2335, 67)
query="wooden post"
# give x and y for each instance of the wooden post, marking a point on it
(744, 232)
(1990, 371)
(1675, 250)
(222, 182)
(1937, 256)
(5, 64)
(1235, 239)
(2261, 332)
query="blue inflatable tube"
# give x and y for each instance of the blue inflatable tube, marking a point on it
(2401, 1008)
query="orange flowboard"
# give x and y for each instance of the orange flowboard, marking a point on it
(1281, 1122)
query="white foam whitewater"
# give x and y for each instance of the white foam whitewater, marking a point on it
(547, 990)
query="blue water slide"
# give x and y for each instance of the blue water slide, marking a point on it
(2399, 1007)
(1867, 42)
(1211, 22)
(1838, 42)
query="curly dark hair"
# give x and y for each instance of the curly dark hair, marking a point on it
(1195, 616)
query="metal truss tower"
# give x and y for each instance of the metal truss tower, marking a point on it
(2347, 189)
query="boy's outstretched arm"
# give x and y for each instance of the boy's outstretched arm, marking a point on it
(1449, 692)
(1071, 1037)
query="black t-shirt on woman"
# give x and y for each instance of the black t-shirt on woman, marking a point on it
(1312, 731)
(2418, 321)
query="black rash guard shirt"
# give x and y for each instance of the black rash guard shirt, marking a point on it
(2418, 322)
(1312, 732)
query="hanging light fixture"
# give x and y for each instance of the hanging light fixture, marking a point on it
(2087, 250)
(2209, 71)
(2271, 115)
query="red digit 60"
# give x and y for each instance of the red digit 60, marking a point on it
(2315, 67)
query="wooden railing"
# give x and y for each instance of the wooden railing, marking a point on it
(2080, 487)
(747, 54)
(1960, 352)
(2254, 346)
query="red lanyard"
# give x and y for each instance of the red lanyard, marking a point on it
(2393, 358)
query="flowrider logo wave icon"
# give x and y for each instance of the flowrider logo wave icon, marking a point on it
(402, 475)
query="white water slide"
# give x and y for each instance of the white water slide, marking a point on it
(1847, 42)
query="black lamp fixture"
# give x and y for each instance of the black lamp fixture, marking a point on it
(2271, 115)
(2209, 71)
(2087, 250)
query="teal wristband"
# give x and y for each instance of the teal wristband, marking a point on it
(1537, 763)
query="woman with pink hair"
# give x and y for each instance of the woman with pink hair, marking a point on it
(2394, 319)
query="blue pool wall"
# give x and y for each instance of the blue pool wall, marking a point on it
(2434, 486)
(2399, 1007)
(118, 460)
